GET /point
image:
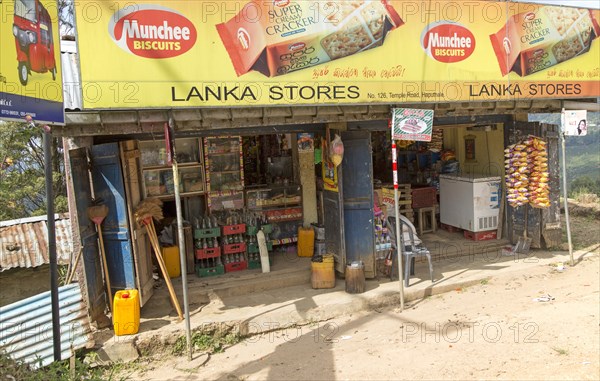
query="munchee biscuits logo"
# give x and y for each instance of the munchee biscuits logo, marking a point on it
(152, 31)
(448, 42)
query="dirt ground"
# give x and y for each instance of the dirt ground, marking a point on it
(499, 329)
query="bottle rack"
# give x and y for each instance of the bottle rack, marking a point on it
(234, 247)
(207, 248)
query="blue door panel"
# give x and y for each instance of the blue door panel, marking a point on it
(107, 176)
(358, 199)
(92, 270)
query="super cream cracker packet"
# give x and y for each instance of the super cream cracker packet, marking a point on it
(534, 41)
(281, 36)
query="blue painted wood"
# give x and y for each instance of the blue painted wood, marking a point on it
(107, 176)
(358, 200)
(94, 284)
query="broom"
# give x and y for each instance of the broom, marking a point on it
(97, 214)
(145, 213)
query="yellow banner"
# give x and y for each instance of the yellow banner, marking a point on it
(30, 75)
(281, 52)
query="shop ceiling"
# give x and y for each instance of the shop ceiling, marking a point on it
(261, 120)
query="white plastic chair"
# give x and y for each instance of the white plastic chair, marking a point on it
(412, 245)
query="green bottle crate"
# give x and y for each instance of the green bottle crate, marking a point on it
(210, 271)
(207, 233)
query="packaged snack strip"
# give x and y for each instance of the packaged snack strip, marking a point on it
(288, 35)
(534, 41)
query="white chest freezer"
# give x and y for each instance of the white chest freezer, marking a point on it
(470, 202)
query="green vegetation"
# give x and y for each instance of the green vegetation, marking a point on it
(57, 371)
(212, 341)
(22, 176)
(585, 190)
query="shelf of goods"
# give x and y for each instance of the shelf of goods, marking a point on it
(158, 175)
(416, 166)
(224, 172)
(282, 206)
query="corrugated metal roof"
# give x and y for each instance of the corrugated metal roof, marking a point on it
(70, 75)
(26, 327)
(24, 242)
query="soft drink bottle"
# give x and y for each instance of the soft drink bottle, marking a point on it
(388, 259)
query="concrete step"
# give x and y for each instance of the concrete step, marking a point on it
(201, 290)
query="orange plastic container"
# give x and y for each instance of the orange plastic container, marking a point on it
(306, 242)
(170, 255)
(126, 312)
(323, 273)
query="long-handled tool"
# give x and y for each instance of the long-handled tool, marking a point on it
(72, 270)
(97, 214)
(145, 213)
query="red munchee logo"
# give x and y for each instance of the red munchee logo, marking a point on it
(152, 31)
(448, 42)
(281, 3)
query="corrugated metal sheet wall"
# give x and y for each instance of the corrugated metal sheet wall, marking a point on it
(26, 327)
(24, 243)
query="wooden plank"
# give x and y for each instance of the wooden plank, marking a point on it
(133, 190)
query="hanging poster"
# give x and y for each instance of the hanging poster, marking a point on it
(574, 122)
(412, 124)
(30, 71)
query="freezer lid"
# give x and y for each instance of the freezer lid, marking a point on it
(472, 178)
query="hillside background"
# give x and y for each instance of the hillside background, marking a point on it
(583, 155)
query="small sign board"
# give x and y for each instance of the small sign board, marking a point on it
(574, 122)
(412, 124)
(306, 142)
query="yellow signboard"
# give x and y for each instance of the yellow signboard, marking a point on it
(30, 75)
(284, 52)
